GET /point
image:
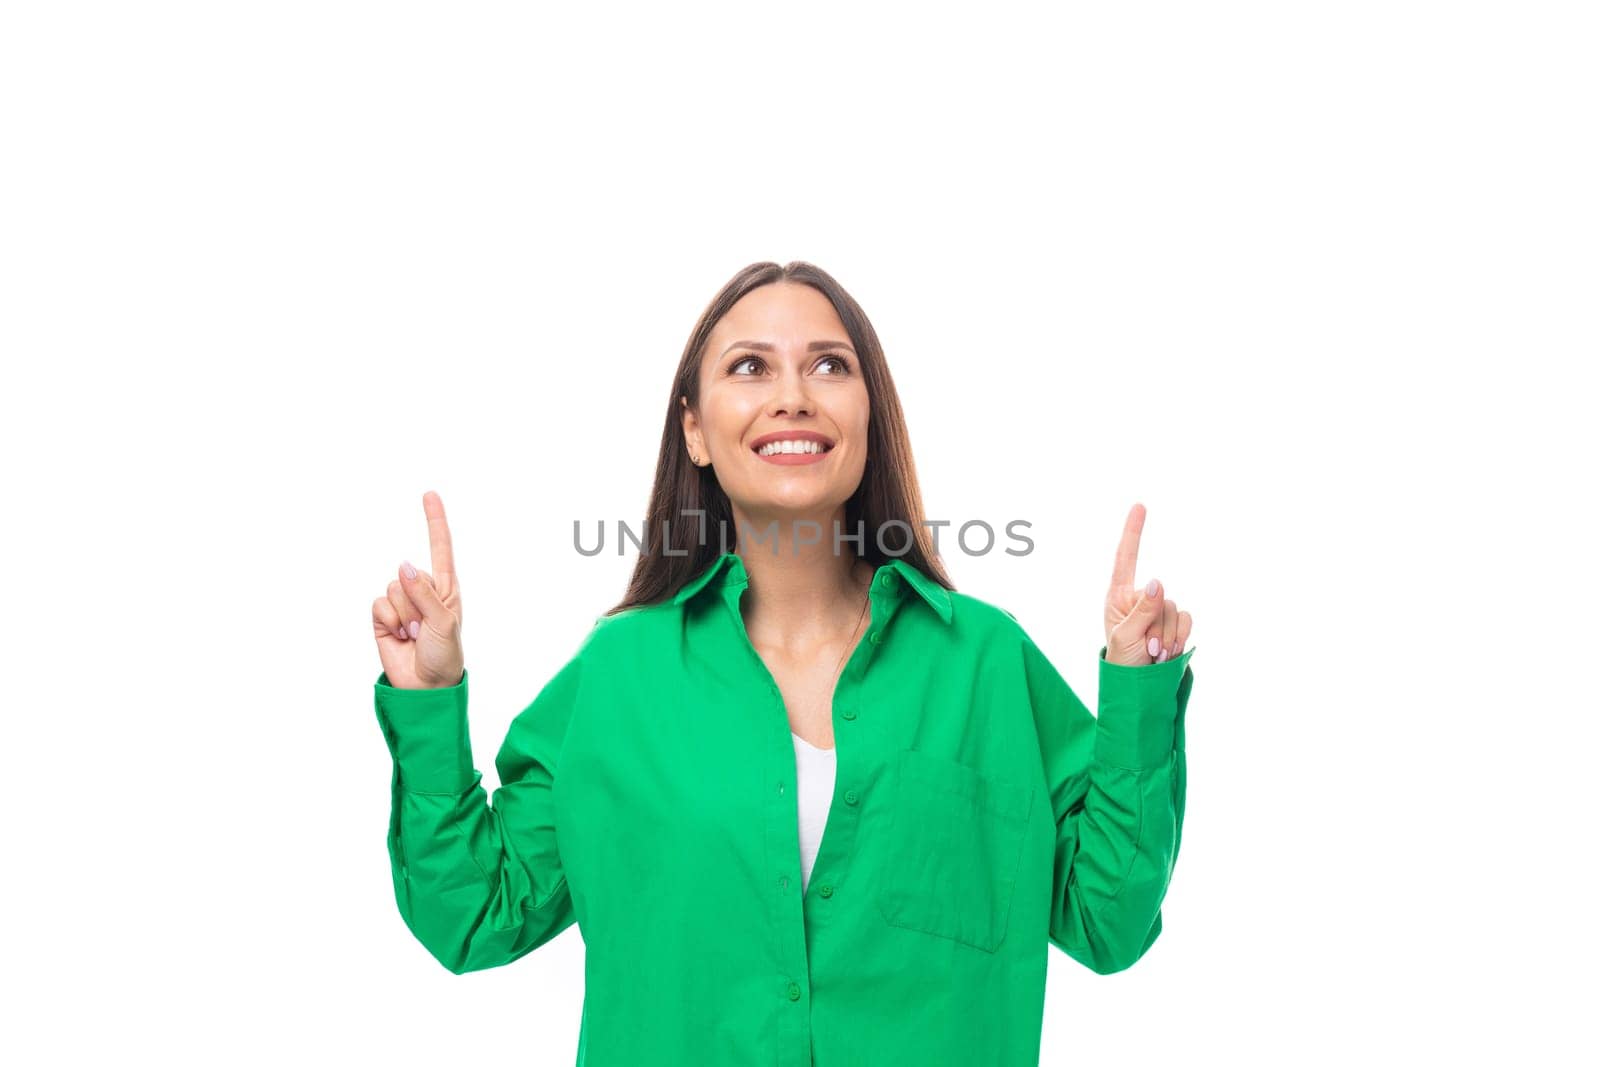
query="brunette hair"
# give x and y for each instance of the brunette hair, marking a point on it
(888, 489)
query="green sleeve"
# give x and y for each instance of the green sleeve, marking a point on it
(478, 880)
(1116, 783)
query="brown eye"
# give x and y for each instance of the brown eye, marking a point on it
(734, 367)
(844, 366)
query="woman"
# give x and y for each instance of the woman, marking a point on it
(667, 789)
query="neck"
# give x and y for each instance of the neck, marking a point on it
(802, 595)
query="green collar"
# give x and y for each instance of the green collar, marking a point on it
(728, 569)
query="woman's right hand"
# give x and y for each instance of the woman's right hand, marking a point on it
(418, 623)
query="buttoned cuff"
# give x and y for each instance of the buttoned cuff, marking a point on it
(1140, 720)
(427, 734)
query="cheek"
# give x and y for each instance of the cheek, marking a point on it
(859, 427)
(726, 417)
(851, 413)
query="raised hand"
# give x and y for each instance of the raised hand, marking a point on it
(1142, 625)
(418, 623)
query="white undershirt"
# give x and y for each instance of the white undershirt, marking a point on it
(814, 769)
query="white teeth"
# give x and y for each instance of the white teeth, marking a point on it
(775, 448)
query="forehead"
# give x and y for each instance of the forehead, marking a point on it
(780, 313)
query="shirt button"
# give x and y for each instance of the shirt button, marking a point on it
(783, 881)
(889, 579)
(876, 637)
(827, 890)
(780, 788)
(849, 713)
(850, 796)
(794, 990)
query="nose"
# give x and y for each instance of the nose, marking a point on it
(789, 396)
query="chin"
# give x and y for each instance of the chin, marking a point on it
(804, 504)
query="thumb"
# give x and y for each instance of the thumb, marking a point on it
(421, 592)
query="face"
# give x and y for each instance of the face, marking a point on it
(780, 366)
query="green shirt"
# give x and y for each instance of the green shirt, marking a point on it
(980, 813)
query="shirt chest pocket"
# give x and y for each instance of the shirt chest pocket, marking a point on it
(955, 846)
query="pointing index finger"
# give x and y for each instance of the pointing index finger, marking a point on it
(444, 564)
(1128, 549)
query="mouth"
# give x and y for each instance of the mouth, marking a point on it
(791, 443)
(792, 447)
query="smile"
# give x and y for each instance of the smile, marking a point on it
(792, 448)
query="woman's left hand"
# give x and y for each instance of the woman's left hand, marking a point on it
(1142, 625)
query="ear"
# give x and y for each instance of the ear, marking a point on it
(691, 427)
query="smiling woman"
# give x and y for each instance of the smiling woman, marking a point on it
(742, 900)
(783, 354)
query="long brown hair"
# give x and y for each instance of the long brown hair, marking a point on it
(888, 489)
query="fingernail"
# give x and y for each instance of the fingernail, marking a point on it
(1163, 657)
(1149, 590)
(407, 569)
(401, 633)
(1179, 650)
(1154, 645)
(414, 628)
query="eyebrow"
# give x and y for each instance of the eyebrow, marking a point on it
(814, 346)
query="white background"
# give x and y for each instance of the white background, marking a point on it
(1315, 283)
